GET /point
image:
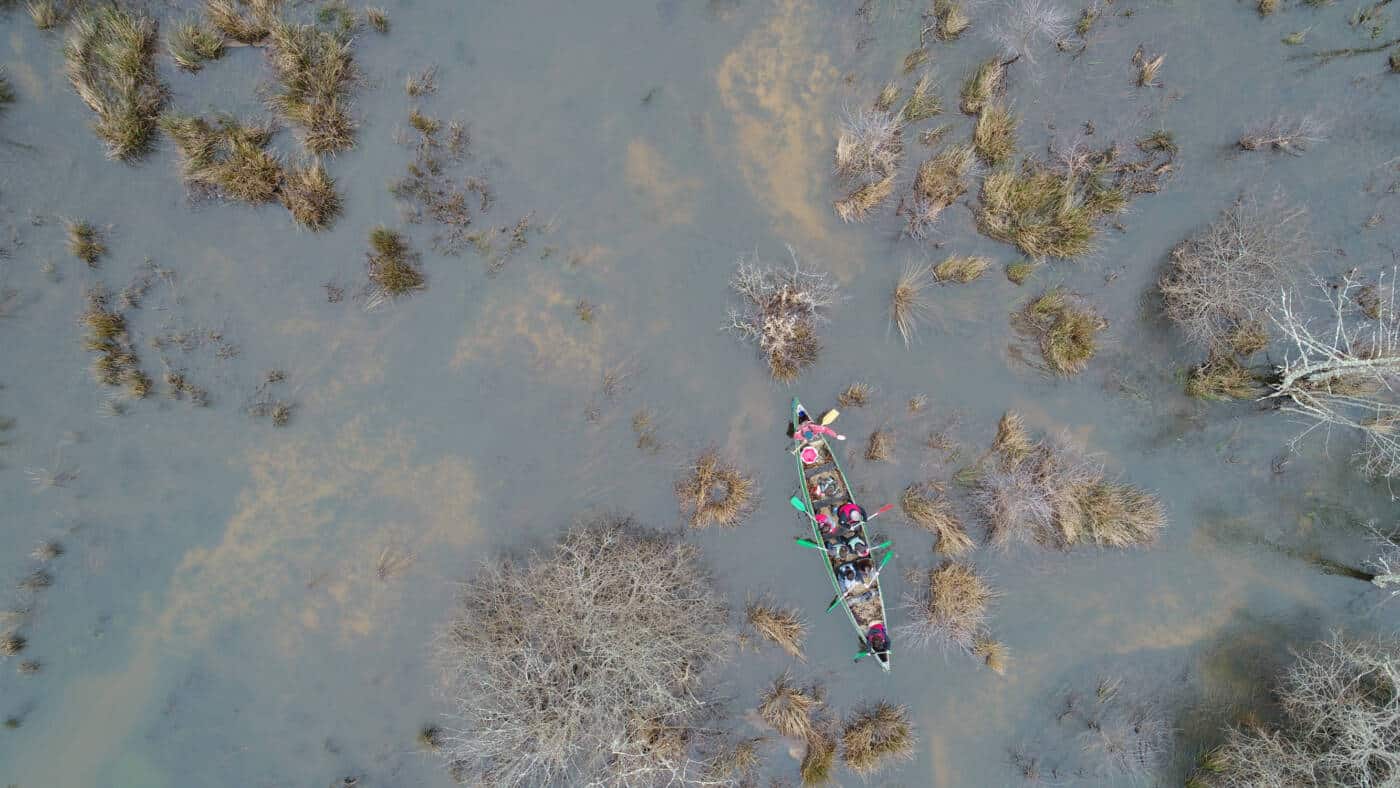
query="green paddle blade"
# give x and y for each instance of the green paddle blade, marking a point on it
(884, 560)
(834, 603)
(797, 504)
(809, 543)
(882, 545)
(861, 654)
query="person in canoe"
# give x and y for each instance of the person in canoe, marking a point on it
(809, 430)
(877, 638)
(850, 515)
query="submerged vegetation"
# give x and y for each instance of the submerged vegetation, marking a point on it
(994, 135)
(584, 663)
(85, 242)
(780, 313)
(315, 76)
(116, 363)
(193, 42)
(111, 64)
(788, 708)
(393, 267)
(908, 303)
(950, 609)
(715, 492)
(876, 736)
(939, 181)
(782, 626)
(928, 508)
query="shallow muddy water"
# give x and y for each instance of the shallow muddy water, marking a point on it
(222, 614)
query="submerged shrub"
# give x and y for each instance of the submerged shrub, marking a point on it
(715, 492)
(315, 74)
(1066, 328)
(583, 664)
(1049, 212)
(781, 311)
(393, 269)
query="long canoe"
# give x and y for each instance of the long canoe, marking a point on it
(865, 605)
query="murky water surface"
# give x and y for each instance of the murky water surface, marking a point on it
(222, 615)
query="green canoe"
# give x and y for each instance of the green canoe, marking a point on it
(865, 604)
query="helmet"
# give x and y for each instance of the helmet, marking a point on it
(878, 639)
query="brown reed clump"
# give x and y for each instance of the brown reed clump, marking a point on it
(309, 194)
(950, 609)
(856, 395)
(1148, 67)
(246, 22)
(116, 363)
(316, 73)
(736, 762)
(923, 103)
(983, 85)
(870, 146)
(1222, 377)
(783, 626)
(85, 242)
(110, 58)
(994, 136)
(715, 492)
(880, 447)
(1267, 7)
(961, 270)
(1012, 443)
(1017, 273)
(11, 644)
(950, 19)
(1067, 330)
(909, 304)
(926, 506)
(938, 182)
(393, 269)
(875, 736)
(45, 14)
(818, 758)
(788, 709)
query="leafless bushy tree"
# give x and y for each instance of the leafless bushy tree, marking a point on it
(781, 311)
(1128, 741)
(1024, 25)
(1286, 133)
(1342, 370)
(1223, 281)
(1341, 701)
(584, 665)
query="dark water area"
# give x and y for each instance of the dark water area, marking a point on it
(240, 604)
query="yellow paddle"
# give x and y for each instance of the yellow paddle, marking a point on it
(830, 416)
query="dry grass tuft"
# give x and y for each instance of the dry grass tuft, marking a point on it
(950, 19)
(1267, 7)
(1050, 493)
(309, 193)
(1160, 141)
(85, 242)
(245, 22)
(950, 609)
(110, 58)
(788, 709)
(938, 182)
(818, 758)
(880, 447)
(735, 764)
(783, 626)
(961, 270)
(859, 204)
(926, 506)
(715, 492)
(909, 304)
(856, 395)
(1148, 69)
(1222, 377)
(923, 102)
(227, 157)
(45, 14)
(994, 136)
(1286, 134)
(377, 18)
(393, 266)
(876, 736)
(11, 644)
(1047, 212)
(583, 664)
(1066, 329)
(781, 312)
(315, 74)
(192, 43)
(1018, 273)
(869, 146)
(887, 96)
(992, 653)
(983, 85)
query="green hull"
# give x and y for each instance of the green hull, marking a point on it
(864, 614)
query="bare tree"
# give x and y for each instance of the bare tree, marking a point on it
(1341, 704)
(584, 665)
(1221, 283)
(1342, 370)
(869, 145)
(1024, 25)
